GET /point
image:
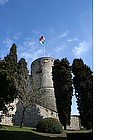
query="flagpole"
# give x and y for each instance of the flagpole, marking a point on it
(44, 50)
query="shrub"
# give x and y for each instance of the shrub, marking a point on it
(50, 125)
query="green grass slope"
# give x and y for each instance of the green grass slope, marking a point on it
(28, 133)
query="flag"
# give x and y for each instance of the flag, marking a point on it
(42, 40)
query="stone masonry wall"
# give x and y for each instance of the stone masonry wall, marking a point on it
(41, 74)
(75, 123)
(32, 115)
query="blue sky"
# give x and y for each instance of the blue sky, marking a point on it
(66, 25)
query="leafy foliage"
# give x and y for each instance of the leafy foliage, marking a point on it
(23, 86)
(8, 69)
(12, 60)
(50, 125)
(26, 94)
(22, 78)
(62, 80)
(83, 84)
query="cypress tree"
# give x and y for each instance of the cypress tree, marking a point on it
(23, 87)
(83, 84)
(12, 60)
(8, 69)
(62, 80)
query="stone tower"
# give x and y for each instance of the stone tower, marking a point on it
(41, 73)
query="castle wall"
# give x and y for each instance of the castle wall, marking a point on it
(33, 114)
(6, 119)
(75, 123)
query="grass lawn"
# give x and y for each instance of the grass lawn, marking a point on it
(28, 133)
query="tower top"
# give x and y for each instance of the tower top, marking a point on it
(43, 58)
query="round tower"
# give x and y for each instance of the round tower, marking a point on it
(41, 72)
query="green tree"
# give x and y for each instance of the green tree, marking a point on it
(23, 86)
(8, 69)
(62, 80)
(7, 90)
(26, 94)
(83, 84)
(12, 60)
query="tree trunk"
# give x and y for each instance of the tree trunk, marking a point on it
(65, 127)
(22, 117)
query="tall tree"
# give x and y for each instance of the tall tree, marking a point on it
(23, 86)
(26, 93)
(8, 69)
(83, 84)
(7, 90)
(62, 80)
(12, 60)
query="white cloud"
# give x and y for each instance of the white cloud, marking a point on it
(16, 36)
(38, 53)
(31, 43)
(26, 55)
(30, 49)
(3, 2)
(61, 48)
(8, 42)
(30, 56)
(29, 46)
(64, 34)
(36, 32)
(71, 40)
(81, 49)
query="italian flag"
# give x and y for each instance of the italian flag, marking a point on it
(42, 40)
